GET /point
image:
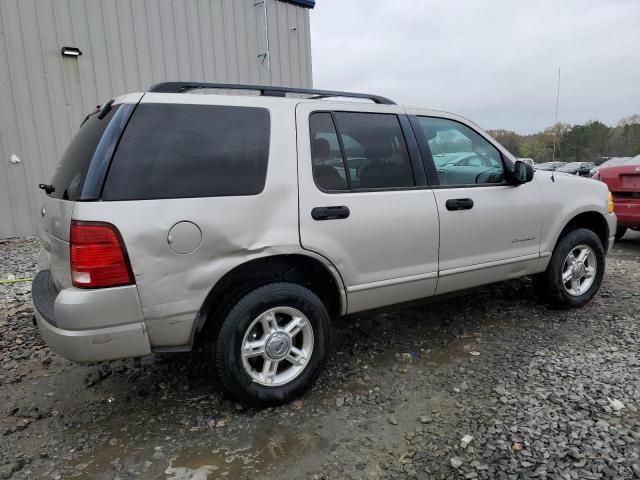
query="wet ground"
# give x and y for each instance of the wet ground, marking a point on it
(538, 390)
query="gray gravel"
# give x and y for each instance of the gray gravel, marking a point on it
(490, 385)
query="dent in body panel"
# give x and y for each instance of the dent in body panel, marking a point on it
(173, 286)
(236, 229)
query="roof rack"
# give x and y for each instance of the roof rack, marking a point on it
(265, 90)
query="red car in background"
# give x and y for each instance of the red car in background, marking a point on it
(623, 181)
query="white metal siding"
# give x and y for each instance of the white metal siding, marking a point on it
(127, 45)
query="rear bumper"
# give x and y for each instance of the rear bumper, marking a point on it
(628, 213)
(90, 325)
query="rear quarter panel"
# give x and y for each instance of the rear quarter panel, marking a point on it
(172, 286)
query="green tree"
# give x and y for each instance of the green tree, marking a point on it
(588, 142)
(509, 140)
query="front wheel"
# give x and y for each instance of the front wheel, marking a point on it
(575, 270)
(272, 345)
(620, 231)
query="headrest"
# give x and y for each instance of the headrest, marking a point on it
(320, 149)
(380, 148)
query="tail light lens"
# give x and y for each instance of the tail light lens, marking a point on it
(98, 256)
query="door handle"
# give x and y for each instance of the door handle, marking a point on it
(459, 204)
(330, 213)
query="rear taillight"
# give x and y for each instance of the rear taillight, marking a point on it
(98, 256)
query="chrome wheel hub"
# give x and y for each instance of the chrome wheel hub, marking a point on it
(579, 270)
(277, 346)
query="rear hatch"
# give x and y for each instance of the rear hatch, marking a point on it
(78, 178)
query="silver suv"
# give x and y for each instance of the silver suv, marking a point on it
(251, 221)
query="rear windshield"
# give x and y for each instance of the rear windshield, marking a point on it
(69, 178)
(179, 151)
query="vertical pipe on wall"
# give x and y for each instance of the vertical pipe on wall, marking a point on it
(267, 53)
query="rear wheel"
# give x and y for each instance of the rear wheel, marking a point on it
(575, 270)
(272, 345)
(620, 231)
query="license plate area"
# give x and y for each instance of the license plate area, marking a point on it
(630, 181)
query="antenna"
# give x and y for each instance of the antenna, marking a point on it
(555, 131)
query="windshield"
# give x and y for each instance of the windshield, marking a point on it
(616, 161)
(633, 161)
(69, 178)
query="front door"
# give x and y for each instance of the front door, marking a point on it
(489, 229)
(364, 203)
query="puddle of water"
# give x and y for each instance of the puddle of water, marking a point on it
(265, 449)
(200, 458)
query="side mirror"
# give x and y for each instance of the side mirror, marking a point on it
(522, 172)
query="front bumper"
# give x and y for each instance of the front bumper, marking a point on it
(90, 325)
(612, 224)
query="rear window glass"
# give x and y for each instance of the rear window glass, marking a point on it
(69, 178)
(179, 151)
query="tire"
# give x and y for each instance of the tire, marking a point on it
(261, 317)
(620, 231)
(575, 292)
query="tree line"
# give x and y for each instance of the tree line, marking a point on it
(575, 143)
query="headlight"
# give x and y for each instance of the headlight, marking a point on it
(610, 203)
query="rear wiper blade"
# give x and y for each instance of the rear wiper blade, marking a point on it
(47, 188)
(105, 110)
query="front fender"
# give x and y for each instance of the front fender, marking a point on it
(564, 198)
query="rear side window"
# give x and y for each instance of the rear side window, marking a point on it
(180, 151)
(354, 150)
(328, 166)
(69, 178)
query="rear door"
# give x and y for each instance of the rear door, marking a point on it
(364, 203)
(489, 229)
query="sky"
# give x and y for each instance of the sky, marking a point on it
(493, 61)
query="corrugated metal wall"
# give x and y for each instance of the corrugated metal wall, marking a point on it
(127, 45)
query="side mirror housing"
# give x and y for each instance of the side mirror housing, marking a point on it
(522, 172)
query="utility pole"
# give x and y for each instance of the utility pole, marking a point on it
(555, 130)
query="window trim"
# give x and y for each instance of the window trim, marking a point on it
(99, 167)
(345, 164)
(430, 166)
(415, 159)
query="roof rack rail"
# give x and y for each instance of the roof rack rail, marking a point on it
(265, 90)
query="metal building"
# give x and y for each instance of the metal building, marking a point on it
(61, 58)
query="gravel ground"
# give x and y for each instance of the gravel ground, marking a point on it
(490, 385)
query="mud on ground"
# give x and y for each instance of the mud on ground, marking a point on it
(490, 385)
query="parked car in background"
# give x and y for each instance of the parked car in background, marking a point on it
(623, 180)
(577, 168)
(550, 165)
(247, 223)
(611, 162)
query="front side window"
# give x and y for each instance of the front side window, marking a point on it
(180, 151)
(359, 151)
(461, 156)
